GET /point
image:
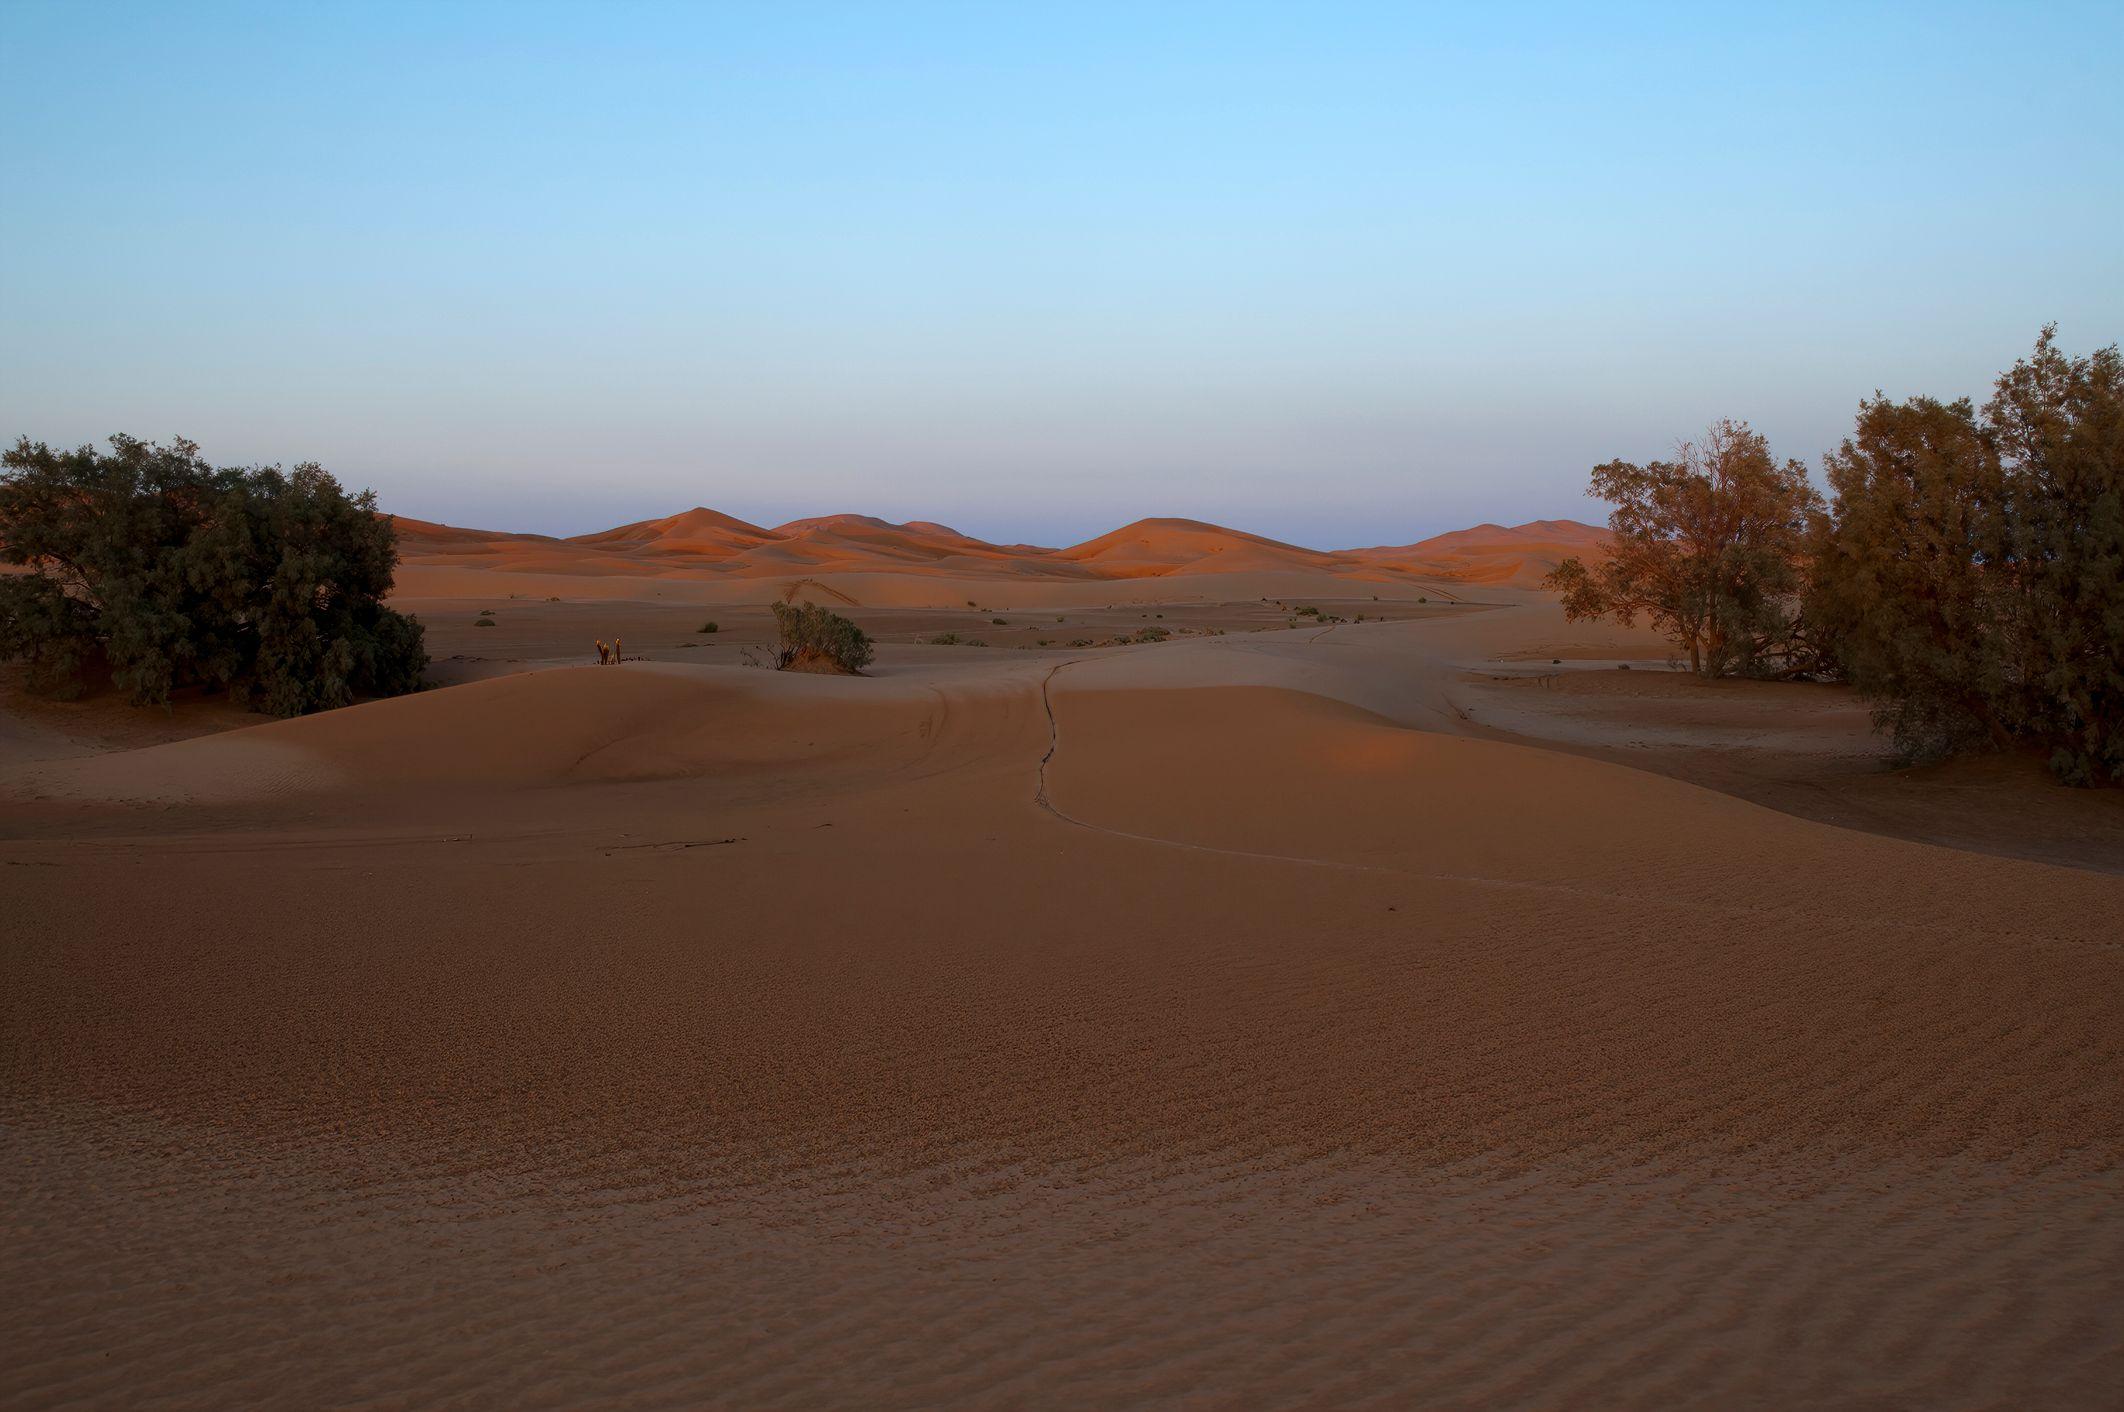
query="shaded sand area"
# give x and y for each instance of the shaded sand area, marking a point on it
(1234, 1020)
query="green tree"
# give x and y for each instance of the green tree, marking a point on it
(1909, 578)
(1710, 547)
(1973, 569)
(146, 561)
(2060, 428)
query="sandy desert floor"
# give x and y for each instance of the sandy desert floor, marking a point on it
(1417, 1012)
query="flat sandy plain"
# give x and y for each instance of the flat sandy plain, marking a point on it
(1422, 1011)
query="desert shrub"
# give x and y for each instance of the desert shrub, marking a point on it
(1080, 642)
(945, 639)
(709, 626)
(483, 621)
(999, 622)
(1150, 634)
(146, 561)
(1972, 573)
(811, 636)
(1710, 547)
(1308, 612)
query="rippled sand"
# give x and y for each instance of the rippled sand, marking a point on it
(1202, 1025)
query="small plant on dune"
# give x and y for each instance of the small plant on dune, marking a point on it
(484, 621)
(1151, 635)
(814, 639)
(1308, 612)
(1080, 642)
(999, 622)
(945, 639)
(970, 603)
(709, 626)
(1058, 617)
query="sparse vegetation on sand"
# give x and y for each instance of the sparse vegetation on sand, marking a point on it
(814, 640)
(709, 626)
(151, 567)
(483, 621)
(1968, 577)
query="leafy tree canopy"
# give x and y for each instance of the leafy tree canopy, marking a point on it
(1973, 570)
(146, 562)
(1709, 547)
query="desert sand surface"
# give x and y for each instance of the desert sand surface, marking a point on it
(1416, 1011)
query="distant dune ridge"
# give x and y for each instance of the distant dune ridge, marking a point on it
(702, 542)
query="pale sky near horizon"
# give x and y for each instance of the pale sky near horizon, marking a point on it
(1339, 274)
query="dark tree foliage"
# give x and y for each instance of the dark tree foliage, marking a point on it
(1711, 548)
(1907, 574)
(813, 637)
(146, 561)
(1973, 571)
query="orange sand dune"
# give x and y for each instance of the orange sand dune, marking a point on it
(1165, 546)
(703, 544)
(1521, 554)
(1213, 1023)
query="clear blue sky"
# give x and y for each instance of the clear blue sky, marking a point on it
(1345, 274)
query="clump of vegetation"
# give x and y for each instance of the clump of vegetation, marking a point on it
(999, 622)
(709, 626)
(1971, 576)
(148, 565)
(1710, 548)
(1308, 612)
(812, 639)
(483, 621)
(1150, 634)
(1968, 577)
(945, 639)
(1080, 642)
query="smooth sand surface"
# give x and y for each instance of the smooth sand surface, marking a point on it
(1237, 1020)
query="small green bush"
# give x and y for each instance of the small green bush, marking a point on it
(709, 626)
(483, 622)
(813, 637)
(945, 639)
(999, 622)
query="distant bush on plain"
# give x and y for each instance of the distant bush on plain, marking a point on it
(812, 638)
(150, 566)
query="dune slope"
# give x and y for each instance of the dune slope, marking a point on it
(1167, 1025)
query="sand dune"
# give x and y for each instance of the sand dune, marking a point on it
(1519, 555)
(702, 544)
(1220, 1022)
